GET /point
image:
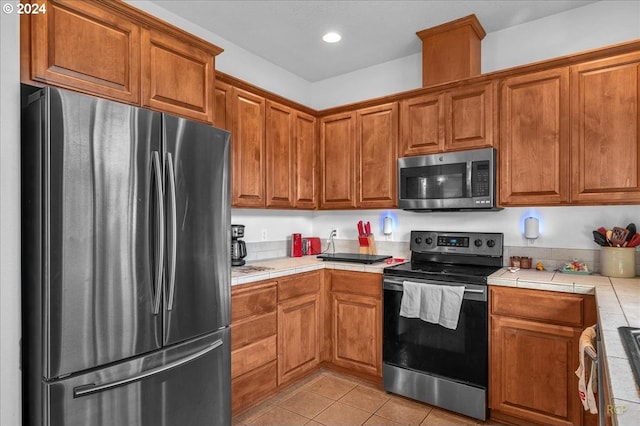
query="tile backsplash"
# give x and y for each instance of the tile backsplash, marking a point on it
(552, 258)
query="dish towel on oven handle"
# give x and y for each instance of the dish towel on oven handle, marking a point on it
(437, 304)
(586, 389)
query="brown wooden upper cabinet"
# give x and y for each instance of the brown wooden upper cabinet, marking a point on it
(534, 134)
(338, 161)
(377, 139)
(461, 118)
(569, 135)
(605, 115)
(291, 157)
(248, 149)
(358, 158)
(82, 46)
(274, 150)
(177, 76)
(112, 50)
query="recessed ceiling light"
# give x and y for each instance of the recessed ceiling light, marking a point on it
(332, 37)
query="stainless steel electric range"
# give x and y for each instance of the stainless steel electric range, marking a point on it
(428, 362)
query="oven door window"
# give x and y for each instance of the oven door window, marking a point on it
(414, 344)
(434, 182)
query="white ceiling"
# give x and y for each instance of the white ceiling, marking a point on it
(288, 33)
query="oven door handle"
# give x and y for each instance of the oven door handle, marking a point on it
(397, 285)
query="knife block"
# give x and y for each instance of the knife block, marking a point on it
(367, 245)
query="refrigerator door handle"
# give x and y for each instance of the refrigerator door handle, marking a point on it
(91, 388)
(173, 249)
(155, 161)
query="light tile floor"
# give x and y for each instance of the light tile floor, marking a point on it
(328, 398)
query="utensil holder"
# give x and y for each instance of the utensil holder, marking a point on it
(618, 262)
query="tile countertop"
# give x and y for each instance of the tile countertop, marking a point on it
(618, 301)
(294, 265)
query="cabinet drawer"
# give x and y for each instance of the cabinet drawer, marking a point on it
(547, 306)
(298, 284)
(366, 284)
(252, 356)
(252, 387)
(252, 300)
(253, 329)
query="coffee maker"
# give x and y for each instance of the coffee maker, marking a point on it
(238, 247)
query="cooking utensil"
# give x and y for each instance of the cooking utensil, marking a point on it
(360, 229)
(600, 239)
(618, 236)
(635, 241)
(632, 231)
(367, 228)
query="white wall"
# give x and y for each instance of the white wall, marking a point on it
(10, 385)
(595, 25)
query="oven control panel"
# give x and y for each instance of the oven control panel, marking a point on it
(472, 243)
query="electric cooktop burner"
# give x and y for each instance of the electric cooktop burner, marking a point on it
(451, 256)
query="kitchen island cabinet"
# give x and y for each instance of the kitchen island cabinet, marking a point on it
(460, 118)
(356, 323)
(534, 337)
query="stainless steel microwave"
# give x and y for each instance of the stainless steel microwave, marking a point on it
(462, 180)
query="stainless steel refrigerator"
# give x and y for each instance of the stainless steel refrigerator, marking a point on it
(126, 275)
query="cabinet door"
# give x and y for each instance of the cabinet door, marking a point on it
(223, 95)
(248, 150)
(338, 161)
(298, 337)
(605, 150)
(280, 155)
(534, 139)
(357, 333)
(470, 117)
(306, 159)
(377, 130)
(177, 76)
(532, 372)
(85, 47)
(422, 125)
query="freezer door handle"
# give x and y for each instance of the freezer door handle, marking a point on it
(91, 388)
(155, 162)
(173, 249)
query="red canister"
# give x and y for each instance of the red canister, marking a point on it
(296, 245)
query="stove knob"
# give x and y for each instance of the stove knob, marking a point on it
(429, 240)
(478, 242)
(491, 243)
(418, 240)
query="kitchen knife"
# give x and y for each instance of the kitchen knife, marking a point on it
(367, 229)
(360, 229)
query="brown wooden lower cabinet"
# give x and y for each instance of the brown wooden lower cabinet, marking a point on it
(356, 322)
(298, 325)
(253, 343)
(534, 337)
